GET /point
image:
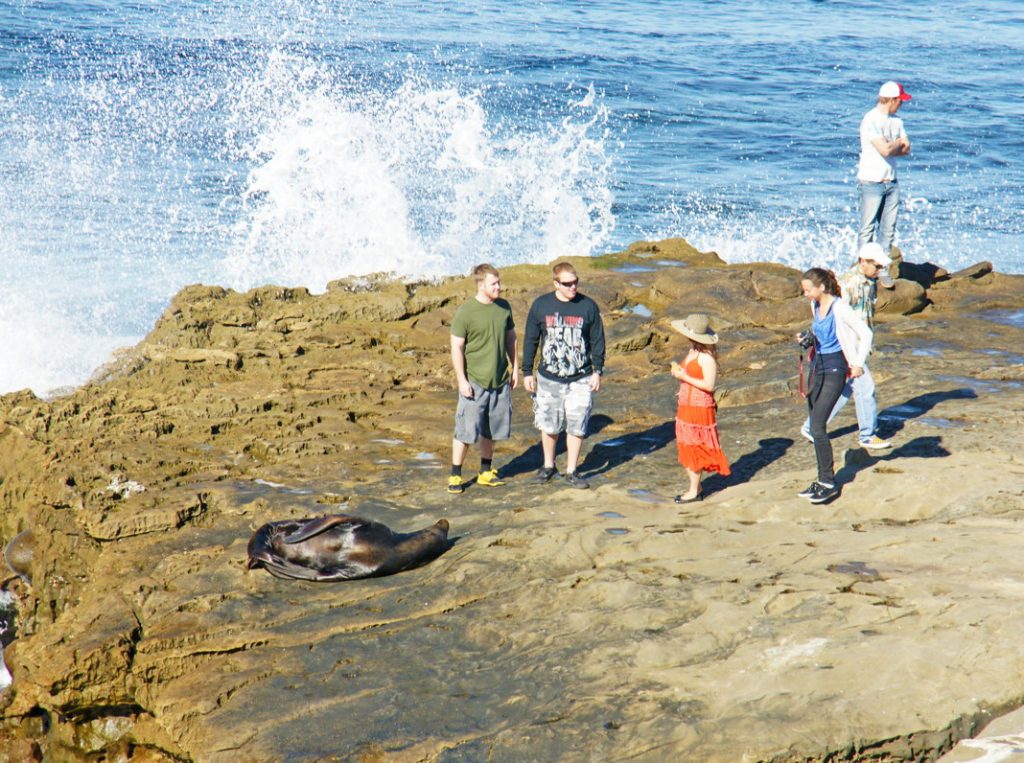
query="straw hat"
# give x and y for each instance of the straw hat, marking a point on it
(697, 327)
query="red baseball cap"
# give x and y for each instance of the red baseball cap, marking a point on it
(893, 90)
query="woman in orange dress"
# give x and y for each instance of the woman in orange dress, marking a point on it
(696, 423)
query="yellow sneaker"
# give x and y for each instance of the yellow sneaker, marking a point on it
(489, 479)
(455, 484)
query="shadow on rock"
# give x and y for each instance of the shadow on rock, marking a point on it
(749, 464)
(858, 459)
(607, 455)
(533, 457)
(892, 419)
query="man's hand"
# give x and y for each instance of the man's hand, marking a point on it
(513, 380)
(466, 389)
(856, 371)
(595, 382)
(530, 383)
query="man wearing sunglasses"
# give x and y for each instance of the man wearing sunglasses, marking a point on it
(566, 327)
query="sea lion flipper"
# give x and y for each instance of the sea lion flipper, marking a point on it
(320, 524)
(282, 568)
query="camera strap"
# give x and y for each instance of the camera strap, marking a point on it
(802, 386)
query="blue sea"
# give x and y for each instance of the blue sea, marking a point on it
(145, 146)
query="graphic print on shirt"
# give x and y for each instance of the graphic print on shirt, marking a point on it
(564, 353)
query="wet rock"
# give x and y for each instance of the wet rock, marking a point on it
(905, 298)
(976, 270)
(775, 287)
(18, 555)
(675, 249)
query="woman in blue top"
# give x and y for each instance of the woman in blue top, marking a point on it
(842, 341)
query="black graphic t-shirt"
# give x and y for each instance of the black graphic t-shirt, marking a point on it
(570, 336)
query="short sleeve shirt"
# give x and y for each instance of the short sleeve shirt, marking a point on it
(485, 327)
(873, 167)
(860, 293)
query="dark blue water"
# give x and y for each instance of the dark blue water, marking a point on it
(145, 146)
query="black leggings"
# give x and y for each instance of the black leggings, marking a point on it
(828, 377)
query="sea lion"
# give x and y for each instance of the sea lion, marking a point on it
(18, 555)
(339, 547)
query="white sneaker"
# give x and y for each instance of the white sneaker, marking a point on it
(875, 443)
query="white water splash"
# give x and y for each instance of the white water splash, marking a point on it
(128, 188)
(420, 181)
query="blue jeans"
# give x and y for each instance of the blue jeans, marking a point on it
(862, 390)
(878, 205)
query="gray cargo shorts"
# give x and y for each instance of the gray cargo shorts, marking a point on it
(561, 405)
(488, 414)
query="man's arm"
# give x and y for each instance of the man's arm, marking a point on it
(513, 356)
(531, 340)
(596, 348)
(459, 364)
(898, 147)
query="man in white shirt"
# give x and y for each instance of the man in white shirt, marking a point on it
(882, 139)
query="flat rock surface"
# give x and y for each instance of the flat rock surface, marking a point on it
(605, 624)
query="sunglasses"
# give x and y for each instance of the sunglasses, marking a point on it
(568, 284)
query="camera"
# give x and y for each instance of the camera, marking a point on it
(806, 339)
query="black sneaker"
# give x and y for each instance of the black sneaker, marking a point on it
(825, 493)
(809, 491)
(544, 474)
(572, 479)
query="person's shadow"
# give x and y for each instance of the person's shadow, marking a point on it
(895, 417)
(769, 450)
(607, 455)
(919, 447)
(892, 419)
(532, 458)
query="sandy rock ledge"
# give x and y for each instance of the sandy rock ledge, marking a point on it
(562, 625)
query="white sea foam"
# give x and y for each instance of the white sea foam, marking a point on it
(5, 675)
(45, 349)
(316, 174)
(417, 181)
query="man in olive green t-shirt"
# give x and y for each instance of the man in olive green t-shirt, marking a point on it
(487, 369)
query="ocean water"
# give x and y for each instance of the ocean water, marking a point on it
(147, 146)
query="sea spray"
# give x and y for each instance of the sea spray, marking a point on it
(131, 177)
(146, 146)
(420, 180)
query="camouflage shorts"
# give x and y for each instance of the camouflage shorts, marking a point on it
(561, 405)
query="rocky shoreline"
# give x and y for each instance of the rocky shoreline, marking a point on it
(562, 625)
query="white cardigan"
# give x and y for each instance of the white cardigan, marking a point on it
(853, 333)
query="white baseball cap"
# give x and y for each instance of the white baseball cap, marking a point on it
(873, 251)
(893, 90)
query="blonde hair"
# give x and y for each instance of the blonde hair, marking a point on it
(484, 269)
(564, 267)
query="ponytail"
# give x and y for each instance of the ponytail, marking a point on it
(823, 277)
